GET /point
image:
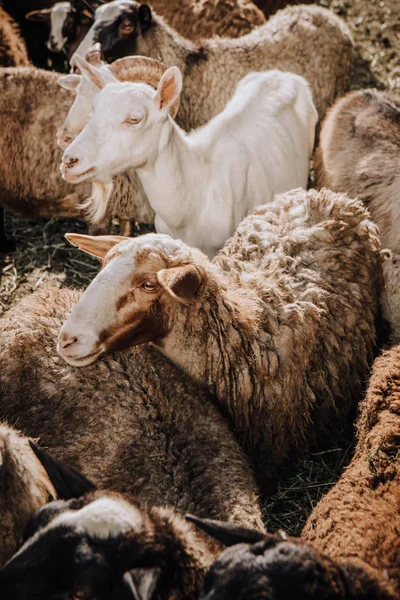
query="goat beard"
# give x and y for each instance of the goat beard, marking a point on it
(97, 203)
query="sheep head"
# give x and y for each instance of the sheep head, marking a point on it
(146, 283)
(104, 547)
(275, 567)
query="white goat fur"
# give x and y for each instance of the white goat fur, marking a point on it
(58, 15)
(202, 184)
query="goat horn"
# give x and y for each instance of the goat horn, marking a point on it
(141, 69)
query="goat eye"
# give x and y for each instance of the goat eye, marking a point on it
(149, 287)
(131, 121)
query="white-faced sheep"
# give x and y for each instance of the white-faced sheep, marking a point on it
(280, 328)
(12, 47)
(202, 184)
(212, 68)
(359, 155)
(106, 547)
(145, 429)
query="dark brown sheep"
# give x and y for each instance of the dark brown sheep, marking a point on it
(131, 423)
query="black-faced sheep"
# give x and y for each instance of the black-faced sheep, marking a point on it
(212, 68)
(106, 547)
(12, 47)
(359, 155)
(131, 423)
(280, 328)
(275, 567)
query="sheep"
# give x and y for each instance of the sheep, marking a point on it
(24, 488)
(203, 184)
(145, 430)
(212, 68)
(195, 19)
(276, 567)
(69, 23)
(358, 155)
(12, 47)
(359, 516)
(350, 545)
(108, 547)
(291, 297)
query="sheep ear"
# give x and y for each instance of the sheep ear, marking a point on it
(98, 77)
(180, 282)
(94, 54)
(169, 89)
(145, 17)
(96, 245)
(67, 482)
(39, 16)
(228, 534)
(139, 584)
(69, 82)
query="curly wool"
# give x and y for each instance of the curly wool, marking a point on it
(359, 517)
(130, 422)
(13, 51)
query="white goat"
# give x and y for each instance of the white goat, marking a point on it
(202, 184)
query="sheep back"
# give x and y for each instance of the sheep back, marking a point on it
(359, 516)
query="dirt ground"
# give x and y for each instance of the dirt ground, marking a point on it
(43, 256)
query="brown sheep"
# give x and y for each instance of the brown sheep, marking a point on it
(360, 515)
(279, 327)
(144, 430)
(276, 567)
(12, 47)
(358, 155)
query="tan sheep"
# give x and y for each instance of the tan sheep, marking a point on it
(359, 155)
(280, 328)
(131, 423)
(307, 40)
(24, 488)
(12, 47)
(360, 516)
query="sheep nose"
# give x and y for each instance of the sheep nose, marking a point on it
(65, 340)
(70, 161)
(64, 140)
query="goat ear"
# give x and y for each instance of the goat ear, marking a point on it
(169, 89)
(96, 245)
(180, 282)
(139, 584)
(228, 534)
(39, 16)
(98, 77)
(67, 482)
(69, 82)
(145, 17)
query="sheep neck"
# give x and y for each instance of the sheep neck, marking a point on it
(172, 181)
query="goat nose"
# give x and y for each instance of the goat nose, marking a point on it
(70, 161)
(65, 340)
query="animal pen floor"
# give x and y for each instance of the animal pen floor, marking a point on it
(44, 257)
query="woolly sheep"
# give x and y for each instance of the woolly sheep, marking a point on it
(359, 155)
(275, 567)
(131, 423)
(292, 297)
(194, 198)
(106, 547)
(212, 68)
(12, 47)
(359, 516)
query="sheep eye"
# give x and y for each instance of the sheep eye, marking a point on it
(131, 121)
(149, 287)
